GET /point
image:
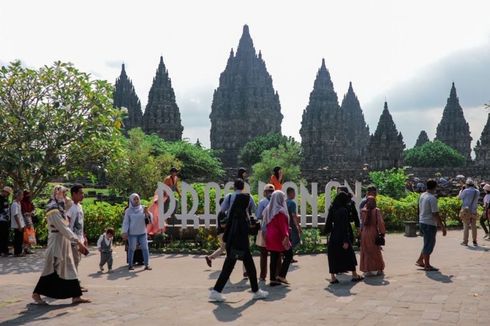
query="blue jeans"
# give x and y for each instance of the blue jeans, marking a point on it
(429, 232)
(134, 240)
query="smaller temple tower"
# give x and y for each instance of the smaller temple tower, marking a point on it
(482, 148)
(125, 97)
(386, 145)
(453, 130)
(162, 115)
(422, 139)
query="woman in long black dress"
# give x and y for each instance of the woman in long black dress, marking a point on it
(341, 256)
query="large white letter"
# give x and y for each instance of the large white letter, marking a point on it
(191, 214)
(307, 198)
(207, 198)
(163, 216)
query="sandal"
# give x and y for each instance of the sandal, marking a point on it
(420, 265)
(336, 281)
(38, 301)
(357, 279)
(80, 300)
(282, 280)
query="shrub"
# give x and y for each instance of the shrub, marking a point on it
(433, 154)
(390, 182)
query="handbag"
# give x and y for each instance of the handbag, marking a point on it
(29, 236)
(380, 238)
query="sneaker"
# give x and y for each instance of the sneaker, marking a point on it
(148, 268)
(475, 243)
(109, 271)
(260, 294)
(131, 268)
(215, 296)
(101, 269)
(463, 244)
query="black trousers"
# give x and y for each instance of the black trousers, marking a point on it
(18, 239)
(4, 237)
(482, 223)
(275, 258)
(228, 266)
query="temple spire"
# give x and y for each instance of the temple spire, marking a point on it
(125, 97)
(453, 130)
(422, 139)
(162, 115)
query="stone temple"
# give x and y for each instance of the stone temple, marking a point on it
(422, 139)
(245, 104)
(125, 97)
(453, 130)
(482, 148)
(162, 115)
(385, 149)
(332, 136)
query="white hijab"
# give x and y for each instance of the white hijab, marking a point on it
(134, 209)
(277, 204)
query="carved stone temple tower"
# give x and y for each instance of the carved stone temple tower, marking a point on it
(245, 104)
(162, 115)
(332, 136)
(482, 148)
(125, 97)
(320, 131)
(386, 145)
(453, 130)
(422, 139)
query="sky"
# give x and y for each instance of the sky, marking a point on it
(406, 52)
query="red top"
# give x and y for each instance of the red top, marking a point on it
(277, 230)
(277, 184)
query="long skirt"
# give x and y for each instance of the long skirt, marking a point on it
(341, 260)
(55, 287)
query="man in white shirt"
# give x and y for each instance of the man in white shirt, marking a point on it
(17, 223)
(429, 220)
(75, 216)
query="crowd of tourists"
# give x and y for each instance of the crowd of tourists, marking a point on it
(274, 224)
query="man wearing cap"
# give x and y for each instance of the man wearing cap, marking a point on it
(468, 214)
(4, 221)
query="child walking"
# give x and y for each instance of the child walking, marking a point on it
(104, 244)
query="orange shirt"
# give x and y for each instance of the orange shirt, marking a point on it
(277, 185)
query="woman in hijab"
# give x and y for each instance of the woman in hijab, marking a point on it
(372, 225)
(59, 278)
(136, 217)
(277, 242)
(237, 248)
(341, 256)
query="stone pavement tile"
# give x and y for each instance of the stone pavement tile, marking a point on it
(432, 315)
(449, 317)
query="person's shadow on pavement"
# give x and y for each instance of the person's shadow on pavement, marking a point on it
(342, 289)
(35, 312)
(226, 313)
(439, 277)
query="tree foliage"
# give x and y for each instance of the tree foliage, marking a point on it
(433, 154)
(287, 156)
(198, 164)
(55, 121)
(390, 182)
(252, 151)
(136, 168)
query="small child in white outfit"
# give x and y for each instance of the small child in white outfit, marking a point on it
(104, 245)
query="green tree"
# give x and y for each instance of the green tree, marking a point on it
(55, 121)
(433, 154)
(198, 163)
(287, 156)
(252, 151)
(390, 182)
(136, 169)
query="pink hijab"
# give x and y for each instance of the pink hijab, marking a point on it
(277, 204)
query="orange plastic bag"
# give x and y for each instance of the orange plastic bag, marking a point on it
(30, 236)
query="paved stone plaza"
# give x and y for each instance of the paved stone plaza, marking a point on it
(175, 292)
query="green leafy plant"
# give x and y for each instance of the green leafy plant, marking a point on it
(56, 122)
(433, 154)
(252, 151)
(390, 182)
